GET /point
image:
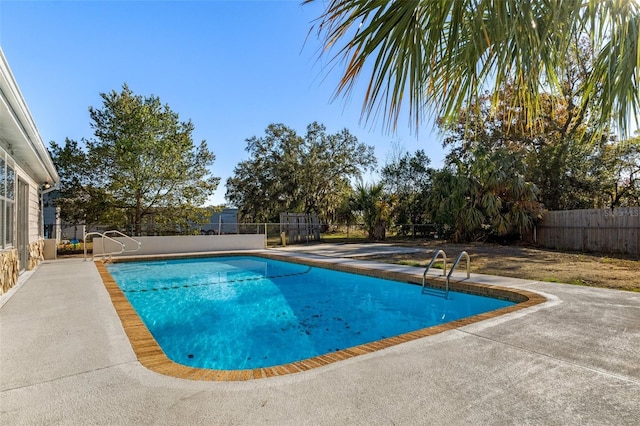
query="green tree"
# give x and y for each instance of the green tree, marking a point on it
(288, 172)
(621, 187)
(485, 196)
(344, 213)
(408, 178)
(569, 173)
(374, 206)
(443, 55)
(142, 162)
(79, 200)
(560, 157)
(563, 153)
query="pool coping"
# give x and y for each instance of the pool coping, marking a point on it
(151, 356)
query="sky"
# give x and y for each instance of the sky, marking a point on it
(231, 67)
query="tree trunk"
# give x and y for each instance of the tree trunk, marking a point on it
(379, 232)
(138, 216)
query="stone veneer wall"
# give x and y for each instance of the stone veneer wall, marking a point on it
(36, 254)
(8, 269)
(9, 264)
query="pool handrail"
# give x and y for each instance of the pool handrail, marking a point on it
(125, 236)
(104, 236)
(455, 263)
(433, 259)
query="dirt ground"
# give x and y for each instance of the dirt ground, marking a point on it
(589, 269)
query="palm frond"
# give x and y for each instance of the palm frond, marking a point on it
(437, 56)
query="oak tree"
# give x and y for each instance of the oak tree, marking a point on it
(302, 174)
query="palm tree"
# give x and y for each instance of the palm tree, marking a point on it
(441, 55)
(484, 197)
(375, 207)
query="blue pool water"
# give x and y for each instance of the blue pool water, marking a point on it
(234, 313)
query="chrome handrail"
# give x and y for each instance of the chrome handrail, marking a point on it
(465, 254)
(104, 253)
(444, 269)
(433, 259)
(120, 234)
(104, 236)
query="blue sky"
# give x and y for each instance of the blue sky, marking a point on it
(232, 67)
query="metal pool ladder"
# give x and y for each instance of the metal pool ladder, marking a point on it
(435, 257)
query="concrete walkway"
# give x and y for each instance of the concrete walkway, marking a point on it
(64, 359)
(351, 250)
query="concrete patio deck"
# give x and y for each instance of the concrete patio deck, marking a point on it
(65, 359)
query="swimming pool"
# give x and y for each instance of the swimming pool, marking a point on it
(242, 313)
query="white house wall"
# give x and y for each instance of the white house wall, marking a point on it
(29, 158)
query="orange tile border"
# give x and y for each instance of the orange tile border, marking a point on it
(151, 356)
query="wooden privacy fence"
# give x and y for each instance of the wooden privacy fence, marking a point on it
(598, 230)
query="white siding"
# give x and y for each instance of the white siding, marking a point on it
(34, 233)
